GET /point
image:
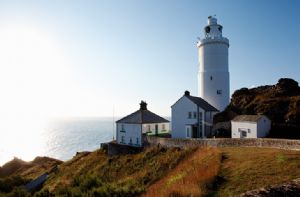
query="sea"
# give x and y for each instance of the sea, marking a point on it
(59, 138)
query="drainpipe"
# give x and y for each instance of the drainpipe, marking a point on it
(198, 122)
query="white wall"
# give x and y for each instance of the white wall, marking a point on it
(180, 117)
(132, 131)
(213, 74)
(251, 128)
(160, 127)
(257, 130)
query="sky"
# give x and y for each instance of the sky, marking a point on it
(99, 58)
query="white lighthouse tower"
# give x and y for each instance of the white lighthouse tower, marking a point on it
(213, 74)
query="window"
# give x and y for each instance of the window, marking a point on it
(243, 134)
(190, 115)
(187, 132)
(148, 128)
(122, 128)
(122, 139)
(249, 130)
(219, 91)
(200, 116)
(137, 141)
(163, 127)
(130, 141)
(211, 78)
(195, 115)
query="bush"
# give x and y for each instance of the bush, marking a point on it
(8, 184)
(43, 193)
(19, 192)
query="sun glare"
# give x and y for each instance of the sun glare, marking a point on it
(33, 75)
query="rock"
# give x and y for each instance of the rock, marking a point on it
(291, 189)
(280, 102)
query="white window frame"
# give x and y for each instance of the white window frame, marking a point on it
(188, 132)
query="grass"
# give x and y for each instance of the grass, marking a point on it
(192, 177)
(161, 171)
(28, 170)
(228, 171)
(245, 169)
(96, 174)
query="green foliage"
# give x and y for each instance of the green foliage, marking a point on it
(7, 184)
(281, 158)
(43, 193)
(18, 192)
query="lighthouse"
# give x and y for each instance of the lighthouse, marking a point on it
(213, 74)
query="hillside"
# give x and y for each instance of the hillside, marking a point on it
(128, 175)
(161, 171)
(28, 170)
(16, 173)
(280, 102)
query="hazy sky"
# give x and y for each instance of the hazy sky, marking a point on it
(81, 58)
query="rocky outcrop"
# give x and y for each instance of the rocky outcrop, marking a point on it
(280, 102)
(291, 189)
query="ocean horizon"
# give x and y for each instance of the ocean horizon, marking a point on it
(59, 138)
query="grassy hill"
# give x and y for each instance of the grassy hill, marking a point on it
(28, 170)
(244, 169)
(16, 173)
(161, 171)
(128, 175)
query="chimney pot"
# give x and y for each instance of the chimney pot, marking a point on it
(143, 105)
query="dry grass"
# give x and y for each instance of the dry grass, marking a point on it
(245, 169)
(191, 177)
(28, 170)
(126, 175)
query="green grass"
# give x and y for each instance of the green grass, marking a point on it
(245, 169)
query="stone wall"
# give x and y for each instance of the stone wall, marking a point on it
(119, 149)
(226, 142)
(291, 188)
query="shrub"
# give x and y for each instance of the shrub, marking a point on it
(7, 184)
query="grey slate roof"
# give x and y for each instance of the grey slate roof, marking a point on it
(201, 103)
(142, 116)
(247, 118)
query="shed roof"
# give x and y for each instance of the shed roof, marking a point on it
(247, 118)
(142, 116)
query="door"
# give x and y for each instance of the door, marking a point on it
(195, 132)
(156, 129)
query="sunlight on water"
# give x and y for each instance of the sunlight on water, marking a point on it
(21, 139)
(59, 138)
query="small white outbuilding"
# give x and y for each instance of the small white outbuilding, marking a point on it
(250, 126)
(130, 129)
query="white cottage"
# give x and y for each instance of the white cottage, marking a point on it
(192, 117)
(131, 128)
(250, 126)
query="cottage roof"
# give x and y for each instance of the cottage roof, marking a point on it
(247, 118)
(142, 116)
(200, 102)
